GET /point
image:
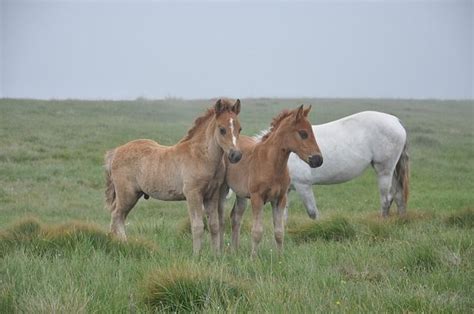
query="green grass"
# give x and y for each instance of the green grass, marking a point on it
(51, 155)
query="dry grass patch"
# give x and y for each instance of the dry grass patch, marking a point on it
(332, 229)
(350, 273)
(462, 219)
(70, 237)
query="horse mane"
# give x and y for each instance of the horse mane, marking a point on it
(202, 120)
(258, 137)
(265, 134)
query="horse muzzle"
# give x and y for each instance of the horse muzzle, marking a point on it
(315, 161)
(234, 156)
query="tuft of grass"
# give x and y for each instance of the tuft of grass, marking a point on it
(185, 289)
(333, 229)
(462, 219)
(421, 257)
(71, 237)
(25, 228)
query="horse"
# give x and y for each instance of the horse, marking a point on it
(349, 145)
(191, 170)
(262, 174)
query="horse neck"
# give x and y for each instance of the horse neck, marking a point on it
(206, 143)
(276, 151)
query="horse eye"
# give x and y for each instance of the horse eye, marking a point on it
(303, 134)
(240, 130)
(223, 131)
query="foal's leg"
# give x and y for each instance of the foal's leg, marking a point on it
(285, 211)
(126, 198)
(195, 210)
(236, 216)
(278, 225)
(385, 184)
(305, 191)
(213, 222)
(224, 190)
(257, 227)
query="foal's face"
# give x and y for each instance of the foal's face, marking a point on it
(302, 141)
(228, 130)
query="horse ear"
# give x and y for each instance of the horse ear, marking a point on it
(236, 107)
(299, 113)
(218, 107)
(306, 111)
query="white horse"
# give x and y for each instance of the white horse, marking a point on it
(349, 145)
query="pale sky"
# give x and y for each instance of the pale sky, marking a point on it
(156, 49)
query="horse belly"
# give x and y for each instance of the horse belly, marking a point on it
(162, 183)
(169, 195)
(338, 171)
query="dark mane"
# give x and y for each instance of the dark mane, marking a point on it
(276, 122)
(202, 120)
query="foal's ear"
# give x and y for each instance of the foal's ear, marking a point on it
(218, 107)
(299, 113)
(306, 111)
(236, 107)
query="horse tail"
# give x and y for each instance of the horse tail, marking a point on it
(109, 183)
(402, 172)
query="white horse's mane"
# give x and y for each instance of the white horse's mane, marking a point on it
(258, 137)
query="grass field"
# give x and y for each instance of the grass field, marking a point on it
(55, 255)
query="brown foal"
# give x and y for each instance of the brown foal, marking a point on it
(262, 174)
(192, 170)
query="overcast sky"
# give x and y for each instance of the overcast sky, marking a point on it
(156, 49)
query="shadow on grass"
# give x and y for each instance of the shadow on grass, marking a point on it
(42, 239)
(187, 289)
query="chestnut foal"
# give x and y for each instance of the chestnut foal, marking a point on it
(262, 174)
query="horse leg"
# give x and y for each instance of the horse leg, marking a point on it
(385, 186)
(126, 198)
(257, 227)
(236, 216)
(223, 191)
(195, 210)
(213, 221)
(305, 191)
(285, 210)
(278, 224)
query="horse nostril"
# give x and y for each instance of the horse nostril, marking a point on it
(315, 161)
(235, 156)
(238, 156)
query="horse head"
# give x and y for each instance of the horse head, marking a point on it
(302, 141)
(228, 128)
